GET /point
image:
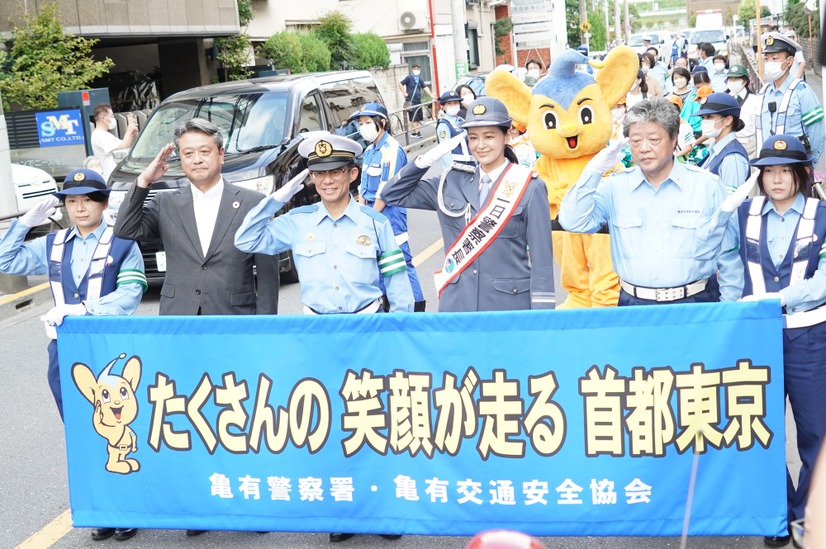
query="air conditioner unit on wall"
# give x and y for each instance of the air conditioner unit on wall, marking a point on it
(413, 20)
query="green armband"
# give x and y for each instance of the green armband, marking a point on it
(391, 263)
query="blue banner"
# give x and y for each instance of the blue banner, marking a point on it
(575, 422)
(60, 128)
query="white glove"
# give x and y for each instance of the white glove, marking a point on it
(57, 313)
(42, 211)
(608, 158)
(733, 201)
(435, 154)
(767, 295)
(288, 189)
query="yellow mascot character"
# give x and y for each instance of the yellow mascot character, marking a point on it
(568, 116)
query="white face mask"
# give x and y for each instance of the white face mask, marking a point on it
(773, 70)
(644, 69)
(416, 73)
(369, 132)
(680, 83)
(735, 86)
(719, 67)
(617, 114)
(452, 110)
(112, 124)
(533, 73)
(467, 99)
(710, 129)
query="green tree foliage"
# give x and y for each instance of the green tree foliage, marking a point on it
(233, 53)
(795, 17)
(371, 51)
(599, 34)
(43, 61)
(747, 10)
(316, 55)
(501, 29)
(245, 13)
(297, 52)
(334, 30)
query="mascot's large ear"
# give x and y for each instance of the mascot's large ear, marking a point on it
(511, 91)
(84, 380)
(618, 74)
(132, 372)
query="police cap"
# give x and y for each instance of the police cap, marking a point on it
(449, 96)
(720, 103)
(487, 111)
(782, 149)
(774, 42)
(326, 151)
(83, 181)
(371, 109)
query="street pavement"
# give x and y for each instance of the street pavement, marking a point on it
(34, 498)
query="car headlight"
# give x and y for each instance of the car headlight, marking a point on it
(263, 185)
(110, 214)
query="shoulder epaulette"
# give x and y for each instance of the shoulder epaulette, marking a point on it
(312, 208)
(372, 212)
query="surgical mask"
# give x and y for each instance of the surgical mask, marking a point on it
(533, 73)
(719, 67)
(369, 132)
(112, 124)
(452, 110)
(467, 99)
(680, 83)
(710, 129)
(644, 69)
(772, 70)
(617, 114)
(416, 73)
(735, 86)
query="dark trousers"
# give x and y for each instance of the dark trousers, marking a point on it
(805, 377)
(53, 375)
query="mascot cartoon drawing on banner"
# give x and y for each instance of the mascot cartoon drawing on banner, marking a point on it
(568, 116)
(113, 397)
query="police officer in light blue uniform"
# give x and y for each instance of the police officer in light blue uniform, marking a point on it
(783, 249)
(789, 104)
(382, 159)
(727, 158)
(665, 233)
(448, 127)
(91, 272)
(341, 248)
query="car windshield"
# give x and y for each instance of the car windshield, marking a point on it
(636, 39)
(250, 121)
(708, 36)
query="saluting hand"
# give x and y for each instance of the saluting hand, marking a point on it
(157, 167)
(733, 201)
(608, 158)
(290, 188)
(435, 154)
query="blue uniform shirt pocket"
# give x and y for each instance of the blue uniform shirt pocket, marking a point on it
(310, 261)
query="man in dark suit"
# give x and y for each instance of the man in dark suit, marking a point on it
(206, 274)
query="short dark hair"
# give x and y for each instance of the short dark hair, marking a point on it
(707, 48)
(701, 78)
(201, 126)
(722, 58)
(101, 109)
(416, 67)
(681, 71)
(534, 60)
(656, 51)
(98, 197)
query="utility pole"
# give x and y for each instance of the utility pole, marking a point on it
(617, 22)
(583, 16)
(627, 30)
(8, 200)
(457, 8)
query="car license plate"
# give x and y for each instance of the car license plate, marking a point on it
(160, 257)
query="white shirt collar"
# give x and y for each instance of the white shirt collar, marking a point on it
(214, 192)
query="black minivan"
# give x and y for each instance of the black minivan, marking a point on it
(263, 120)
